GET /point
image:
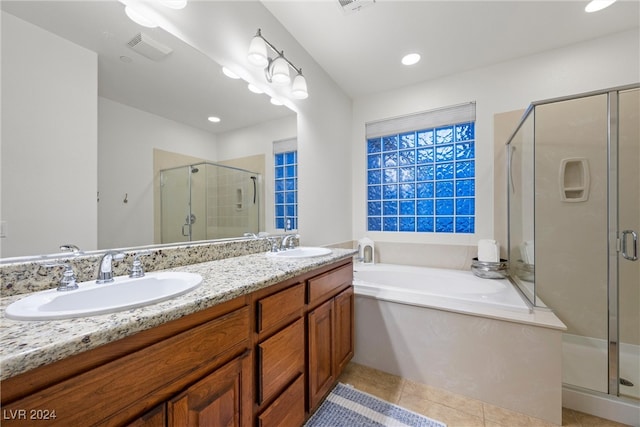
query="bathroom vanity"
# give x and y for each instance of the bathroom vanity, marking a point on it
(263, 351)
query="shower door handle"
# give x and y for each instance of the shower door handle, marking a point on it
(634, 237)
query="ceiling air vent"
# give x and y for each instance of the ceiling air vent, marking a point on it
(146, 46)
(350, 6)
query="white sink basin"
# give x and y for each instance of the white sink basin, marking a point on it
(300, 252)
(91, 298)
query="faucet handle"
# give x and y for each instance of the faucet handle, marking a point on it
(137, 269)
(68, 281)
(275, 244)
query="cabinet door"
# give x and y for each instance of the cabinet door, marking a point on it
(221, 399)
(321, 352)
(344, 332)
(154, 418)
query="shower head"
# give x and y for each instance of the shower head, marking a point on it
(194, 169)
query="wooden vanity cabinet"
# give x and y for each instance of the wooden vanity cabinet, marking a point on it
(280, 355)
(200, 361)
(266, 359)
(330, 330)
(304, 338)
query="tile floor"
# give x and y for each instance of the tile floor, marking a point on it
(453, 409)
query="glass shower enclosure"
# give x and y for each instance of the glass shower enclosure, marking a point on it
(574, 219)
(208, 201)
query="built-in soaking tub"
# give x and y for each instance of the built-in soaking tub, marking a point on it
(452, 330)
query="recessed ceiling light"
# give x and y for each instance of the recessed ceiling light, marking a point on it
(139, 17)
(410, 59)
(174, 4)
(126, 59)
(227, 72)
(254, 88)
(275, 101)
(596, 5)
(214, 119)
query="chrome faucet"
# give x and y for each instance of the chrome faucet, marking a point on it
(287, 243)
(105, 274)
(68, 281)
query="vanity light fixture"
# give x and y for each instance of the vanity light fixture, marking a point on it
(596, 5)
(276, 70)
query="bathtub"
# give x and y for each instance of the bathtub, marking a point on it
(454, 290)
(452, 330)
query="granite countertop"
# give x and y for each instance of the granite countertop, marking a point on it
(26, 345)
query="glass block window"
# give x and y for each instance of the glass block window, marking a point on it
(286, 189)
(422, 180)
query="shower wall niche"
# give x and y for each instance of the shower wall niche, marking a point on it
(206, 201)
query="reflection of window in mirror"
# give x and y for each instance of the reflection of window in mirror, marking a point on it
(285, 160)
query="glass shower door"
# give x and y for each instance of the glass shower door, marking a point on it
(175, 199)
(628, 230)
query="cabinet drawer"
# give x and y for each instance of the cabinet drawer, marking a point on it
(288, 409)
(280, 360)
(321, 287)
(279, 306)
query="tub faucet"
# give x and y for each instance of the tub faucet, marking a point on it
(105, 274)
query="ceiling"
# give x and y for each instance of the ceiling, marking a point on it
(186, 86)
(361, 51)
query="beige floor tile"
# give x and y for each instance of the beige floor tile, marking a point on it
(570, 418)
(587, 420)
(450, 416)
(453, 409)
(380, 384)
(444, 397)
(495, 415)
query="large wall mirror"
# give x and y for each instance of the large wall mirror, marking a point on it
(94, 106)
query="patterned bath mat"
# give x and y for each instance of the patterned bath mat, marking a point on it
(347, 407)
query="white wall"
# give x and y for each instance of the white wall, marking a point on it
(324, 119)
(597, 64)
(255, 140)
(127, 137)
(49, 141)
